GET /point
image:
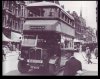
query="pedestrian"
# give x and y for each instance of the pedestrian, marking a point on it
(72, 65)
(96, 52)
(4, 51)
(88, 55)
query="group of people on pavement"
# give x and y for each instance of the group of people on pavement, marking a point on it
(88, 54)
(7, 49)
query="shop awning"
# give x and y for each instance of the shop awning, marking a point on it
(6, 39)
(16, 37)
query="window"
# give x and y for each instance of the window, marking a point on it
(7, 4)
(10, 6)
(23, 11)
(63, 16)
(3, 20)
(51, 12)
(42, 12)
(57, 12)
(29, 40)
(66, 43)
(72, 23)
(12, 24)
(10, 21)
(16, 25)
(30, 13)
(19, 10)
(48, 12)
(67, 19)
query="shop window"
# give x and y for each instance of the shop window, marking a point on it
(66, 43)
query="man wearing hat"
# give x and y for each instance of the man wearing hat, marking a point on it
(88, 55)
(73, 65)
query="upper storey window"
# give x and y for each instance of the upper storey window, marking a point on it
(42, 12)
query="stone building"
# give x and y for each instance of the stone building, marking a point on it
(77, 25)
(90, 35)
(13, 13)
(80, 27)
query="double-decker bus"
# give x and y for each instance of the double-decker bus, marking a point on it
(47, 30)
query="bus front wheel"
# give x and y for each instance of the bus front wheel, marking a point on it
(22, 67)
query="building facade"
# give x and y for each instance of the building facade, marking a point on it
(83, 27)
(80, 27)
(90, 35)
(12, 21)
(77, 26)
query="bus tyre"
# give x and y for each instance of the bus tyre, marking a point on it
(22, 67)
(52, 69)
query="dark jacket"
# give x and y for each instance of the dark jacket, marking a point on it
(72, 66)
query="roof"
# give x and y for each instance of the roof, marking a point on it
(43, 3)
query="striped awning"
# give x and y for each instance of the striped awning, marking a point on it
(6, 39)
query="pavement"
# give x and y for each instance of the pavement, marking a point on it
(10, 63)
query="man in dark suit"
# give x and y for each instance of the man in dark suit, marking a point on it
(72, 65)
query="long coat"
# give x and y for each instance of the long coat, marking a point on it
(72, 66)
(88, 54)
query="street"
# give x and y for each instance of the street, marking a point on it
(47, 33)
(10, 67)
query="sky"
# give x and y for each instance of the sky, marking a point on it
(88, 10)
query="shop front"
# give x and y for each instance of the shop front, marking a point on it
(16, 44)
(6, 42)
